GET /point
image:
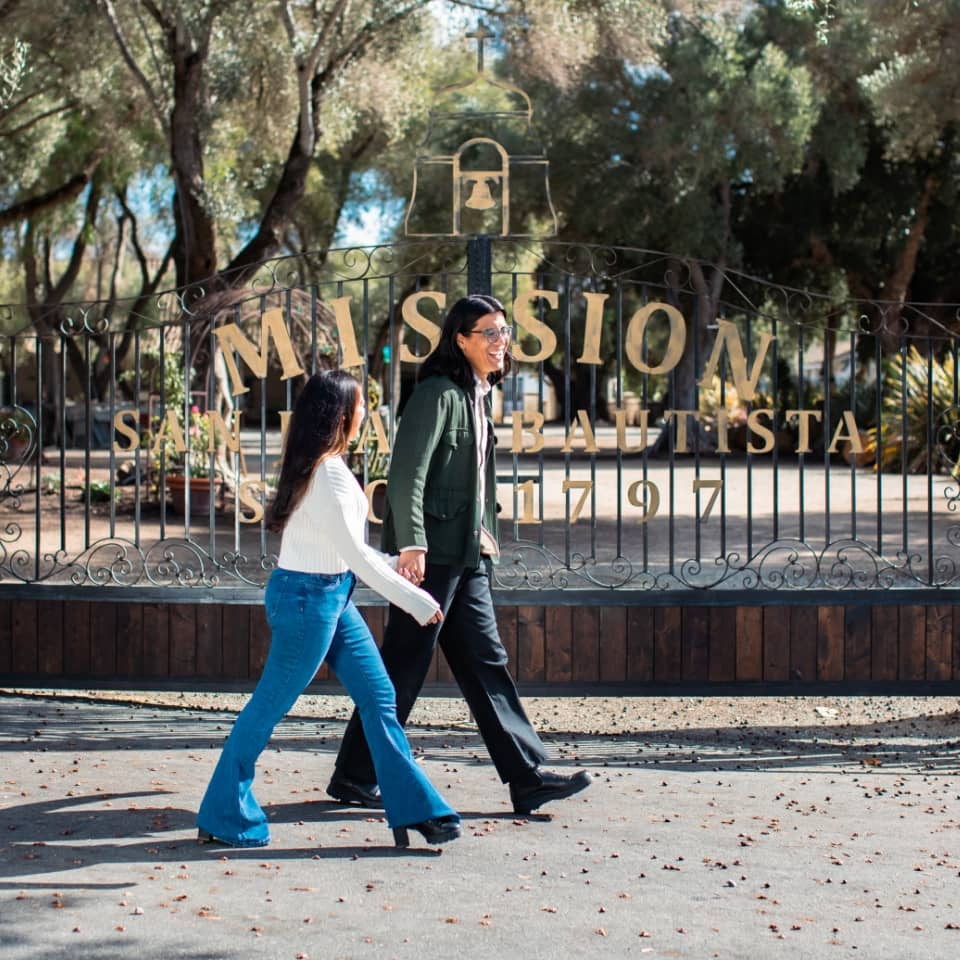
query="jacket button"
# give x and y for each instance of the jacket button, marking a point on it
(499, 508)
(476, 533)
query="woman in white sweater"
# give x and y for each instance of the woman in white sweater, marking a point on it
(321, 510)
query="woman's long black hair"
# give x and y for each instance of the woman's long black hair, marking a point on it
(448, 359)
(319, 427)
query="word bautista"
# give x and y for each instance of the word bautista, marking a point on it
(761, 422)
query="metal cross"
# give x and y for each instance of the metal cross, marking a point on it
(480, 35)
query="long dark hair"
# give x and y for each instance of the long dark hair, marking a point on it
(319, 427)
(448, 359)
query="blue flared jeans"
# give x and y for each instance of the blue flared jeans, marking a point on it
(312, 618)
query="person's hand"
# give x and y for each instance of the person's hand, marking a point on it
(436, 618)
(412, 564)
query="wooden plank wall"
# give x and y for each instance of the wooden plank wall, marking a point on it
(565, 645)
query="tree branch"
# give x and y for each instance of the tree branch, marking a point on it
(127, 54)
(52, 198)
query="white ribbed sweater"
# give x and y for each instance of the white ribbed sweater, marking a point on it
(325, 534)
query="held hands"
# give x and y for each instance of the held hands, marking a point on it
(412, 564)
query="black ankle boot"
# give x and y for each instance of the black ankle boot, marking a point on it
(435, 830)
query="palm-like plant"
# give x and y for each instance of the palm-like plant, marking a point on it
(900, 442)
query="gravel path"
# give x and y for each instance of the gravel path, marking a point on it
(857, 718)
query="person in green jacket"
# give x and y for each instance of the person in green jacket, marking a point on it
(441, 517)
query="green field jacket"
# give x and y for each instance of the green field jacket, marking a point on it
(433, 489)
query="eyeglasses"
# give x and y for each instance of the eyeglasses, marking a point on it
(493, 334)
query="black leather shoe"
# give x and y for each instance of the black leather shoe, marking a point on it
(349, 791)
(552, 786)
(437, 830)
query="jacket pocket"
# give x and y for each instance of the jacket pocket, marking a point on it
(445, 504)
(455, 436)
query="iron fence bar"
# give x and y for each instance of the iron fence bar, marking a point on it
(88, 427)
(880, 438)
(904, 492)
(749, 354)
(263, 429)
(566, 411)
(722, 371)
(392, 360)
(541, 460)
(801, 456)
(137, 392)
(930, 464)
(514, 377)
(827, 384)
(697, 523)
(37, 461)
(188, 457)
(111, 453)
(777, 425)
(853, 453)
(63, 444)
(645, 453)
(365, 340)
(618, 328)
(593, 455)
(162, 478)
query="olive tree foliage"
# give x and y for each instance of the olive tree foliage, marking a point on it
(874, 213)
(662, 154)
(246, 95)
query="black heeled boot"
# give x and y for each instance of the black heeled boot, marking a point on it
(435, 830)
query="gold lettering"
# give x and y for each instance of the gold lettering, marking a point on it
(170, 424)
(620, 417)
(251, 494)
(369, 490)
(534, 428)
(681, 445)
(804, 418)
(593, 328)
(723, 425)
(525, 489)
(849, 424)
(754, 424)
(285, 416)
(637, 328)
(584, 485)
(729, 336)
(349, 354)
(231, 436)
(417, 321)
(374, 422)
(231, 338)
(650, 503)
(524, 317)
(583, 418)
(126, 430)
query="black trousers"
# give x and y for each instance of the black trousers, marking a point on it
(471, 643)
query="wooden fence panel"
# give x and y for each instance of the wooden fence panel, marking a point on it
(939, 643)
(130, 640)
(803, 644)
(558, 644)
(103, 639)
(236, 642)
(612, 641)
(857, 639)
(884, 643)
(209, 628)
(913, 643)
(183, 639)
(51, 638)
(530, 644)
(723, 645)
(695, 644)
(830, 637)
(6, 636)
(586, 644)
(73, 621)
(776, 643)
(749, 643)
(667, 644)
(640, 644)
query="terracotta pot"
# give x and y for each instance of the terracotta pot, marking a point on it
(200, 502)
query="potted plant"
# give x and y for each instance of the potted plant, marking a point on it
(190, 468)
